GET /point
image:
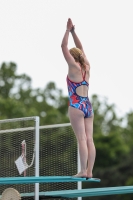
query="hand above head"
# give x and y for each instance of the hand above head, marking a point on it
(70, 25)
(73, 27)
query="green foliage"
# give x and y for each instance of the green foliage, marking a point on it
(105, 118)
(110, 149)
(7, 78)
(19, 99)
(10, 108)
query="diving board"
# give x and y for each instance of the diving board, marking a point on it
(83, 192)
(44, 179)
(88, 192)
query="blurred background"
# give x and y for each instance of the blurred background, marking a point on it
(33, 73)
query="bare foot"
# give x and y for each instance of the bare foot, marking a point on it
(89, 175)
(81, 175)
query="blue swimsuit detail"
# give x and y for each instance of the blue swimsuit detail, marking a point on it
(76, 101)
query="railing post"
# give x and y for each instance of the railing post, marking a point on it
(37, 157)
(79, 169)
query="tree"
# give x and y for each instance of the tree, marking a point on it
(9, 79)
(19, 99)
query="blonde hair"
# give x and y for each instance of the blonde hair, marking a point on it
(77, 55)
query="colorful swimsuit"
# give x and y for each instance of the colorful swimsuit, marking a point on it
(76, 101)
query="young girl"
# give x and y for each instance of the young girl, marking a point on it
(80, 109)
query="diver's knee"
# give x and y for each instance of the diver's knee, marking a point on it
(81, 138)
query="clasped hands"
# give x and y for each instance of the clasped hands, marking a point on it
(70, 25)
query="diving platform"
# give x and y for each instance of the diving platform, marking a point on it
(44, 179)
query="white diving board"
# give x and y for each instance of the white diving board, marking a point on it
(44, 179)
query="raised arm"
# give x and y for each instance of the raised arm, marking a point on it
(64, 45)
(78, 43)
